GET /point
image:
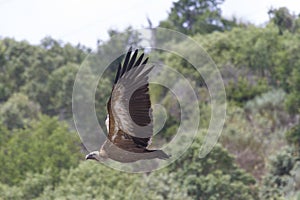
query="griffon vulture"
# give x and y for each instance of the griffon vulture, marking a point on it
(129, 120)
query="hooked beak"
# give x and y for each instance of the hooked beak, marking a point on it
(91, 157)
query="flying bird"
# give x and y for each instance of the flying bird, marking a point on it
(129, 120)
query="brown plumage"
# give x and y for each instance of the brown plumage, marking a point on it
(130, 124)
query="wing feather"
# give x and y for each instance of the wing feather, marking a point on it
(118, 74)
(129, 107)
(138, 62)
(133, 58)
(125, 65)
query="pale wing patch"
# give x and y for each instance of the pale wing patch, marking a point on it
(107, 123)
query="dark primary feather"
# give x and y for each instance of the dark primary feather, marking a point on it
(118, 74)
(125, 65)
(129, 63)
(145, 61)
(138, 62)
(132, 60)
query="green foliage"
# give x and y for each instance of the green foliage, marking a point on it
(271, 106)
(293, 99)
(262, 121)
(213, 177)
(258, 52)
(39, 155)
(10, 192)
(196, 16)
(233, 47)
(18, 111)
(108, 52)
(283, 178)
(242, 91)
(26, 68)
(184, 67)
(4, 134)
(17, 57)
(60, 88)
(91, 180)
(163, 185)
(45, 143)
(271, 100)
(278, 182)
(190, 177)
(287, 61)
(293, 135)
(282, 18)
(32, 186)
(170, 128)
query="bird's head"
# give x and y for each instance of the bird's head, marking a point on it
(97, 155)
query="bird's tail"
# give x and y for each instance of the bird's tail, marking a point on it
(161, 154)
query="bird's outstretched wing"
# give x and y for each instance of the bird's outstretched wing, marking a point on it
(129, 106)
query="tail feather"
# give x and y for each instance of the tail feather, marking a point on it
(161, 154)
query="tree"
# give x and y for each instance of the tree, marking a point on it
(18, 111)
(50, 57)
(60, 88)
(15, 59)
(44, 144)
(282, 19)
(89, 180)
(293, 98)
(293, 137)
(196, 16)
(242, 90)
(278, 181)
(213, 177)
(283, 178)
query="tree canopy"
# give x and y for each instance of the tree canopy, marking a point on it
(256, 157)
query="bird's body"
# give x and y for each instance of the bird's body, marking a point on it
(129, 121)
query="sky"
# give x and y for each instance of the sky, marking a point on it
(86, 21)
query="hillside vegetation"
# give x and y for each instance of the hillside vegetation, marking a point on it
(257, 155)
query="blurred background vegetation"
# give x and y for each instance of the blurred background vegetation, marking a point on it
(257, 156)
